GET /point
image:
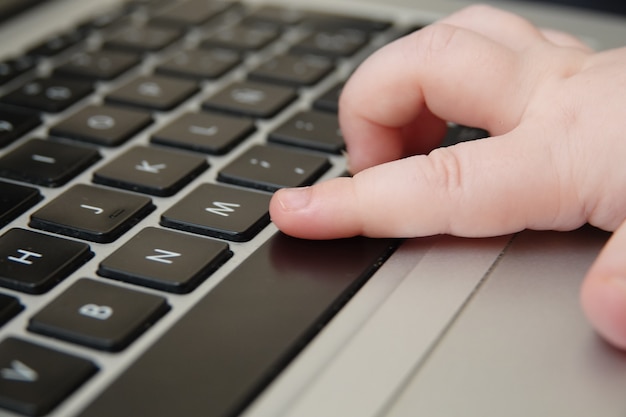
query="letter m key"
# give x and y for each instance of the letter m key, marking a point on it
(222, 209)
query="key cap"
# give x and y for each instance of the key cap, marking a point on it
(98, 65)
(12, 68)
(153, 92)
(189, 13)
(338, 21)
(151, 170)
(50, 95)
(270, 168)
(329, 101)
(200, 64)
(92, 213)
(35, 379)
(165, 260)
(15, 122)
(294, 70)
(9, 307)
(142, 39)
(15, 200)
(106, 21)
(103, 125)
(45, 162)
(251, 99)
(242, 340)
(310, 129)
(241, 38)
(274, 15)
(220, 211)
(460, 133)
(205, 132)
(56, 44)
(99, 315)
(33, 262)
(333, 43)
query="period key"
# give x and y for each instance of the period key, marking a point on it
(272, 167)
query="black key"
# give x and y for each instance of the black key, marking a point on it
(242, 340)
(251, 99)
(190, 13)
(102, 125)
(33, 262)
(294, 70)
(50, 95)
(274, 15)
(329, 101)
(45, 162)
(56, 44)
(219, 211)
(99, 315)
(200, 64)
(143, 39)
(334, 43)
(165, 260)
(151, 170)
(15, 200)
(460, 133)
(16, 122)
(310, 129)
(241, 38)
(9, 307)
(12, 68)
(153, 92)
(205, 132)
(99, 65)
(270, 168)
(92, 213)
(105, 21)
(35, 379)
(338, 21)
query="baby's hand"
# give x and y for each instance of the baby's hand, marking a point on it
(556, 158)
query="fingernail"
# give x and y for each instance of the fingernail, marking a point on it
(292, 199)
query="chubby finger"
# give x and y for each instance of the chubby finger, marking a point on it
(452, 73)
(603, 293)
(487, 187)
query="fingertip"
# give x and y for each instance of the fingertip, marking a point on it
(284, 207)
(321, 211)
(604, 303)
(292, 199)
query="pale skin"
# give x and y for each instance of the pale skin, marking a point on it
(556, 158)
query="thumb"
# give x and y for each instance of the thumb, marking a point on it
(603, 293)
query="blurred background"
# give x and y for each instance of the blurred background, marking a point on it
(611, 6)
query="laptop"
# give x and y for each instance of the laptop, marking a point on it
(140, 274)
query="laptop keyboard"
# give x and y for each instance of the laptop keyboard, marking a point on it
(139, 154)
